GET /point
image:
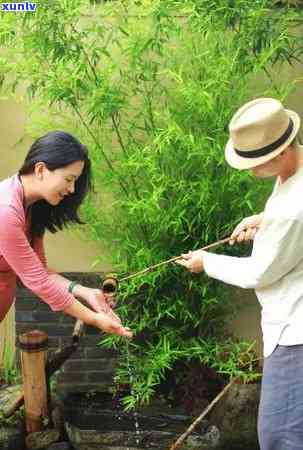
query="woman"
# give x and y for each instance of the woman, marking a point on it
(46, 195)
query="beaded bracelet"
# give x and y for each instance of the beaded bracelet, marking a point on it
(71, 286)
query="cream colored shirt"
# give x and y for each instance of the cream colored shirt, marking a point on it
(275, 267)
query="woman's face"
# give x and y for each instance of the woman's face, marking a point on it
(58, 183)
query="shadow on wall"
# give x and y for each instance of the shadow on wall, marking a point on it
(247, 322)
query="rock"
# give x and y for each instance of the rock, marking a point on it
(121, 440)
(210, 439)
(41, 439)
(8, 398)
(12, 437)
(99, 426)
(236, 417)
(57, 416)
(58, 421)
(60, 446)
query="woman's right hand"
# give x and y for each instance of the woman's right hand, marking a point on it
(246, 229)
(111, 324)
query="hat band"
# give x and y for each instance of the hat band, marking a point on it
(268, 148)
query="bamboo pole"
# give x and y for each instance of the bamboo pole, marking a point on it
(173, 259)
(110, 284)
(179, 442)
(33, 358)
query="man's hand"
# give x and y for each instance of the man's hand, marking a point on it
(246, 229)
(193, 261)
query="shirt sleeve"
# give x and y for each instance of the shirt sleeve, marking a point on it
(38, 246)
(29, 266)
(278, 249)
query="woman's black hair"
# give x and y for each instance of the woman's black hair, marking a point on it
(58, 149)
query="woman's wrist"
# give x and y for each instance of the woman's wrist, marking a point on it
(72, 286)
(80, 311)
(77, 290)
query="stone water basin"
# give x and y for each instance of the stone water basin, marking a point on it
(98, 423)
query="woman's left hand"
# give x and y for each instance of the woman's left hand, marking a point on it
(99, 301)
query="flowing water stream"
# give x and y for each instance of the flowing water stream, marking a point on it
(131, 384)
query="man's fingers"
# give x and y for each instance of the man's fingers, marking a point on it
(234, 235)
(250, 234)
(240, 227)
(187, 255)
(241, 236)
(182, 262)
(247, 234)
(245, 230)
(187, 265)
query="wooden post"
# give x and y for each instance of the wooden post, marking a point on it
(33, 353)
(52, 365)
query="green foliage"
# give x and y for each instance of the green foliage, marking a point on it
(229, 359)
(15, 419)
(9, 373)
(150, 87)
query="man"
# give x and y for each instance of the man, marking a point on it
(263, 138)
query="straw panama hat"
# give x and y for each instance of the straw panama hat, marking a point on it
(259, 131)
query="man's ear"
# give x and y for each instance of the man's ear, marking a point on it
(289, 150)
(285, 152)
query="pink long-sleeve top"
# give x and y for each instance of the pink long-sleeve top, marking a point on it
(23, 256)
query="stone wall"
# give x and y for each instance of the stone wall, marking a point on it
(91, 367)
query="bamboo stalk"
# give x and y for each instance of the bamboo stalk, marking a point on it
(33, 357)
(179, 442)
